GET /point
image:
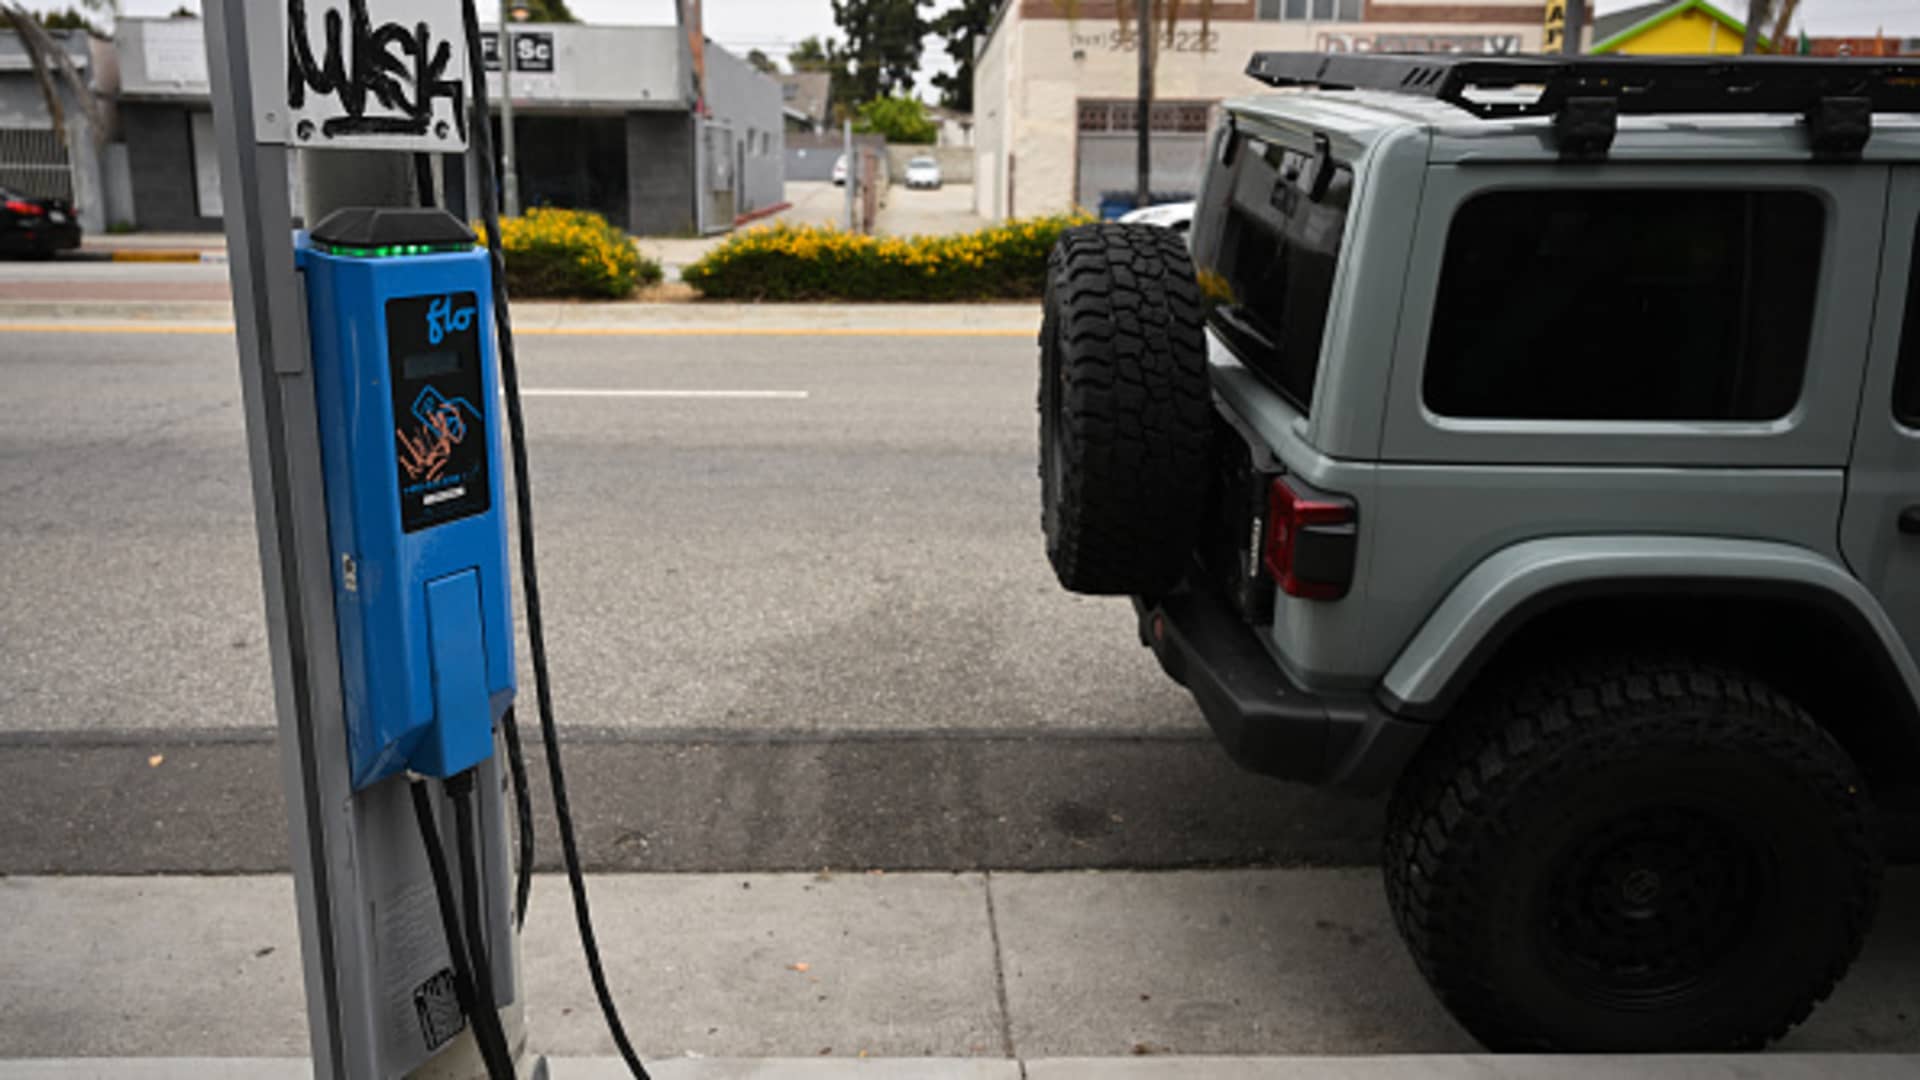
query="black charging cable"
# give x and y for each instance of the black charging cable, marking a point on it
(529, 575)
(472, 966)
(423, 181)
(459, 789)
(472, 972)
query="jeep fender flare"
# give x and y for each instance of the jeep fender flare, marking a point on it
(1513, 586)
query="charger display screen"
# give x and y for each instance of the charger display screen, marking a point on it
(420, 367)
(439, 408)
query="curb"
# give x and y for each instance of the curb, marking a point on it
(1462, 1066)
(168, 255)
(765, 211)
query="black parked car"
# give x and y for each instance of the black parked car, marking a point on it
(36, 227)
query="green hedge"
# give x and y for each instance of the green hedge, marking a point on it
(571, 253)
(785, 262)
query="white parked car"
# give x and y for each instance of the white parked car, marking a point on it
(923, 172)
(1176, 216)
(840, 171)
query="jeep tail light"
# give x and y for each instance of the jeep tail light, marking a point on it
(1310, 542)
(24, 209)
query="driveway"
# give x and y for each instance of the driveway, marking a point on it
(947, 209)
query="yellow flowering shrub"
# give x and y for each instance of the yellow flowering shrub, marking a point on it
(1007, 261)
(573, 253)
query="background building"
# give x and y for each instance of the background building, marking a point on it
(808, 100)
(1053, 98)
(72, 162)
(605, 120)
(1671, 28)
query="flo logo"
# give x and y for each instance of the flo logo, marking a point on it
(443, 318)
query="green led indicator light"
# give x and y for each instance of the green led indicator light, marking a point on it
(392, 250)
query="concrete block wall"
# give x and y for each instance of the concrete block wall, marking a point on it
(660, 173)
(749, 103)
(159, 142)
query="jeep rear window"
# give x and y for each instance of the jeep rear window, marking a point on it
(1575, 304)
(1268, 279)
(1906, 377)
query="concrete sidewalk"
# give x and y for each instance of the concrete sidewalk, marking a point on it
(1431, 1067)
(946, 975)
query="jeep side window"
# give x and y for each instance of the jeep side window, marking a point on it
(1906, 378)
(1582, 304)
(1268, 279)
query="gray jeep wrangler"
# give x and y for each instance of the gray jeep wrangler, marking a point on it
(1537, 440)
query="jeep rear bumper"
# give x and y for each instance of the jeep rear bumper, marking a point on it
(1265, 722)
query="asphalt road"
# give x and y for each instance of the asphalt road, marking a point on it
(798, 612)
(865, 557)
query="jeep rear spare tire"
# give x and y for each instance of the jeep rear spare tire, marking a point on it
(1639, 854)
(1124, 410)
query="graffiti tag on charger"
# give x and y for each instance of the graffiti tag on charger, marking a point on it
(377, 74)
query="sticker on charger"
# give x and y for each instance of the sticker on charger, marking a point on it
(437, 1007)
(440, 432)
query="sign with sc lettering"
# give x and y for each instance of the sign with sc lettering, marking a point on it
(377, 75)
(532, 52)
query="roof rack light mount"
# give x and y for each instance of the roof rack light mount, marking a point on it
(1585, 95)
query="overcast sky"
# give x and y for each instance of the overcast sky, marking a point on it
(773, 26)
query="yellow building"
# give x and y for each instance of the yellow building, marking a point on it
(1686, 28)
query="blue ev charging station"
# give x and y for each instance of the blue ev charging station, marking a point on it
(378, 381)
(405, 377)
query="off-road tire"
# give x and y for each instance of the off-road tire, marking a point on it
(1124, 410)
(1519, 881)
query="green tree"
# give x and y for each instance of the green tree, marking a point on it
(68, 20)
(962, 28)
(549, 11)
(901, 119)
(884, 44)
(52, 64)
(811, 54)
(762, 62)
(816, 54)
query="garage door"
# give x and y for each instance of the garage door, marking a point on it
(1108, 149)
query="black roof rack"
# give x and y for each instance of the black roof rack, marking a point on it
(1586, 94)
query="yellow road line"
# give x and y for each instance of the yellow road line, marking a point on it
(107, 328)
(572, 331)
(773, 331)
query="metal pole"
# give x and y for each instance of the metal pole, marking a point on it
(1756, 14)
(1575, 25)
(847, 127)
(283, 446)
(509, 174)
(370, 941)
(1143, 165)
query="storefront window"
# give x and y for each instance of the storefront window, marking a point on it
(1190, 117)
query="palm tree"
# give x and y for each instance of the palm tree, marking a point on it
(50, 62)
(1146, 13)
